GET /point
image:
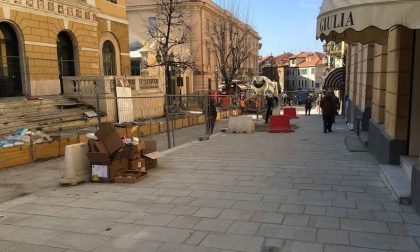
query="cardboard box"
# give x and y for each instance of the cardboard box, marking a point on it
(150, 163)
(141, 163)
(100, 147)
(100, 173)
(91, 144)
(151, 160)
(109, 137)
(133, 164)
(131, 178)
(98, 157)
(117, 167)
(149, 147)
(116, 164)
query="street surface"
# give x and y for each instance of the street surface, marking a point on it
(31, 178)
(302, 191)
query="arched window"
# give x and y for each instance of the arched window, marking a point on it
(65, 54)
(108, 54)
(10, 76)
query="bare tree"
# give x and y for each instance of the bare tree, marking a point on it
(230, 41)
(171, 32)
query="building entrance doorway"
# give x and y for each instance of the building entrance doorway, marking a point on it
(414, 136)
(10, 76)
(65, 53)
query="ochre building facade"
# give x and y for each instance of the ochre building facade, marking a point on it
(42, 41)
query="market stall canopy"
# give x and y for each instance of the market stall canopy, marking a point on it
(335, 79)
(365, 21)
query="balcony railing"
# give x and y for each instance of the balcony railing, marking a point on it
(100, 91)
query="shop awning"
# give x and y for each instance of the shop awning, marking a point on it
(335, 79)
(365, 21)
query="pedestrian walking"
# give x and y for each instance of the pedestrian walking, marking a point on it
(308, 105)
(346, 108)
(329, 108)
(242, 105)
(269, 103)
(337, 105)
(211, 115)
(318, 104)
(284, 96)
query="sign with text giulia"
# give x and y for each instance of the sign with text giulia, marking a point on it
(365, 21)
(338, 20)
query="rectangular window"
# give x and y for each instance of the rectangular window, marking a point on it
(312, 70)
(303, 71)
(153, 24)
(135, 67)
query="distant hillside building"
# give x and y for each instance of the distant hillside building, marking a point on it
(275, 68)
(305, 71)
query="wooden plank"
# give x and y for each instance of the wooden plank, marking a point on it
(13, 156)
(46, 150)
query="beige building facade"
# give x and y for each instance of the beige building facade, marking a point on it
(382, 84)
(305, 71)
(43, 41)
(200, 14)
(382, 73)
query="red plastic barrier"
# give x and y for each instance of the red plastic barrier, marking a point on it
(280, 124)
(290, 112)
(225, 103)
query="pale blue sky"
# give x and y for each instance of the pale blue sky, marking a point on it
(285, 25)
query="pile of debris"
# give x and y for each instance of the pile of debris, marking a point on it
(24, 136)
(113, 159)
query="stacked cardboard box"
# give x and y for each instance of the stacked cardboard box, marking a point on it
(110, 157)
(150, 154)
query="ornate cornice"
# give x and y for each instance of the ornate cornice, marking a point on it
(75, 9)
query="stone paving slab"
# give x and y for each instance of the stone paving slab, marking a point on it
(235, 192)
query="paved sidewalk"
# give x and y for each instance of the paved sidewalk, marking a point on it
(31, 178)
(236, 192)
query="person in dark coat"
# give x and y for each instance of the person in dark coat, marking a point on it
(329, 108)
(211, 116)
(308, 105)
(270, 104)
(337, 106)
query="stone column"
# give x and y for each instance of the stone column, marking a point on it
(353, 81)
(414, 147)
(398, 82)
(366, 81)
(379, 83)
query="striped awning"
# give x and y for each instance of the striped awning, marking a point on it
(335, 79)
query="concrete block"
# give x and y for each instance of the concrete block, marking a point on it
(77, 166)
(241, 125)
